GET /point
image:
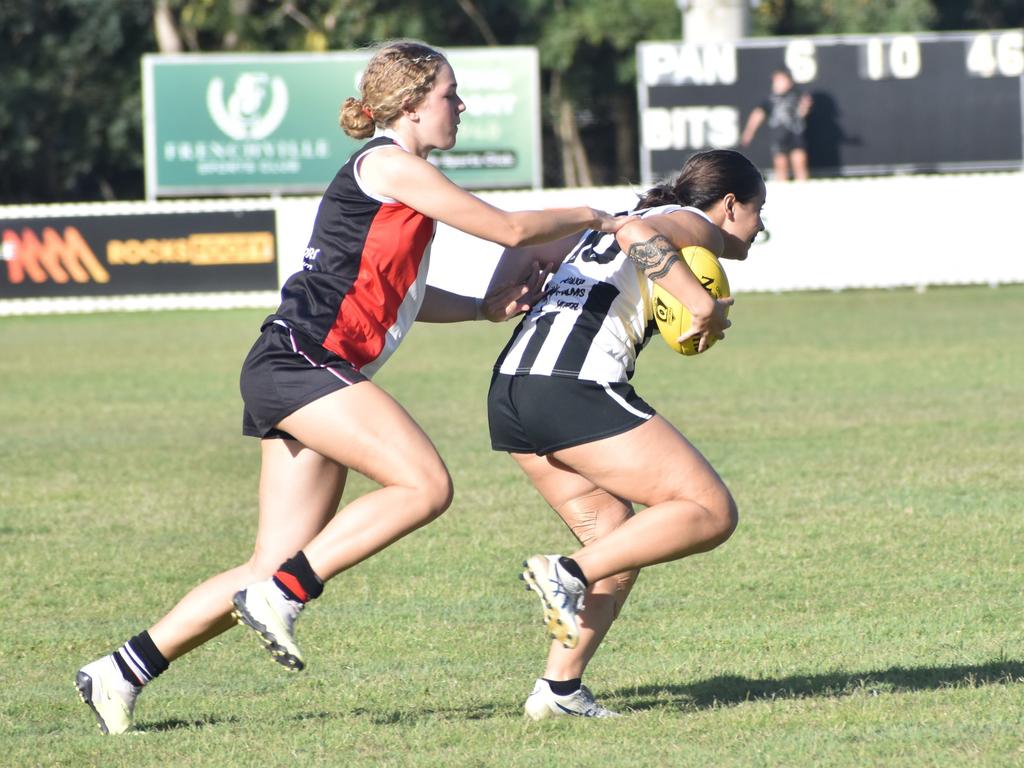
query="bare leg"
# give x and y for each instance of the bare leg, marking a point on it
(798, 158)
(363, 428)
(689, 509)
(299, 492)
(780, 164)
(590, 514)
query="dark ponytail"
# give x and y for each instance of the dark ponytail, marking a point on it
(705, 179)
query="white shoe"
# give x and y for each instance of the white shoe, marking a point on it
(561, 594)
(543, 703)
(111, 697)
(264, 608)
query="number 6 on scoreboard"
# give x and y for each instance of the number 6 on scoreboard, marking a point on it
(801, 61)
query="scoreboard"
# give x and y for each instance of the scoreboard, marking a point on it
(882, 104)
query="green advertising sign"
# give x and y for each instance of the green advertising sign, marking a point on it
(223, 124)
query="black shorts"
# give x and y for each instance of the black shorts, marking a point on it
(541, 414)
(784, 142)
(284, 371)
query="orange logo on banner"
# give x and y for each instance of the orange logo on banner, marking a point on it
(54, 258)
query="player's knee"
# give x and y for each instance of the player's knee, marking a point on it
(725, 517)
(436, 492)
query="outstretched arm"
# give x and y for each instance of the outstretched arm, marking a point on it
(514, 263)
(412, 180)
(501, 302)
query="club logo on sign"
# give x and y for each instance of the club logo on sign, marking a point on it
(255, 108)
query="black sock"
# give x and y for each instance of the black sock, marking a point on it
(140, 660)
(564, 687)
(297, 579)
(572, 567)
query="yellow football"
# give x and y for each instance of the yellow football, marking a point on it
(672, 317)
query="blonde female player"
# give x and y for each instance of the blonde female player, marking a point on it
(561, 405)
(306, 382)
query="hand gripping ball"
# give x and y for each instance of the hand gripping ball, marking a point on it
(672, 317)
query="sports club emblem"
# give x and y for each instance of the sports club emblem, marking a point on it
(255, 108)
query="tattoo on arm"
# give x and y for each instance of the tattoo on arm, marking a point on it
(655, 256)
(669, 261)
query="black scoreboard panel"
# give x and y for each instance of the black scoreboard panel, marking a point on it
(882, 103)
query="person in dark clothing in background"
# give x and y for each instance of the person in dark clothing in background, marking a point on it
(786, 111)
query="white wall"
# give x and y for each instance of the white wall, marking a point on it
(824, 235)
(889, 232)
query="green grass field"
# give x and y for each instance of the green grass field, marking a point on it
(867, 612)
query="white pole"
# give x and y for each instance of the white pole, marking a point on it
(712, 21)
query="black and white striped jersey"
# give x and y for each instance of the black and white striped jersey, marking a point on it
(595, 318)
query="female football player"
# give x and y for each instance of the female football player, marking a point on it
(306, 381)
(560, 403)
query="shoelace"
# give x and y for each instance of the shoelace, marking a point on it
(570, 600)
(590, 707)
(593, 709)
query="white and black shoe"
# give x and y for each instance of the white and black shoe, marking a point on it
(561, 594)
(111, 698)
(542, 703)
(265, 609)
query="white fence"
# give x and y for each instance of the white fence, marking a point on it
(823, 235)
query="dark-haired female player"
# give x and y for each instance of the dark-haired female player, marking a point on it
(561, 404)
(306, 382)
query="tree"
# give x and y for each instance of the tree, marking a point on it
(70, 119)
(806, 17)
(587, 51)
(979, 14)
(70, 106)
(587, 62)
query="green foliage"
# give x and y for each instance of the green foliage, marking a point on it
(70, 105)
(577, 33)
(808, 17)
(979, 14)
(865, 613)
(267, 25)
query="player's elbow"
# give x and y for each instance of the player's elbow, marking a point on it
(633, 232)
(517, 237)
(514, 232)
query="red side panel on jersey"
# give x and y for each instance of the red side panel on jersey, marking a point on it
(395, 244)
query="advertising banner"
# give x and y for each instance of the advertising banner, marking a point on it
(224, 124)
(130, 254)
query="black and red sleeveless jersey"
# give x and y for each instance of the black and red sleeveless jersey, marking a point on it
(364, 272)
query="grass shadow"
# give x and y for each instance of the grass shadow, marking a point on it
(377, 717)
(482, 711)
(729, 690)
(175, 724)
(720, 691)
